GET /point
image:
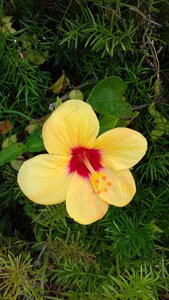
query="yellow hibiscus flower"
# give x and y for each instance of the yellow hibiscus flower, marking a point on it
(86, 171)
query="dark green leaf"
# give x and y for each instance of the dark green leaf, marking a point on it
(107, 123)
(11, 152)
(34, 142)
(107, 97)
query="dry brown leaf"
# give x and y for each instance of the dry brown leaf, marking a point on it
(5, 126)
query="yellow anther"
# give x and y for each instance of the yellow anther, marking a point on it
(99, 182)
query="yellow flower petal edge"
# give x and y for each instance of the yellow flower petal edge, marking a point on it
(44, 179)
(82, 203)
(121, 148)
(72, 124)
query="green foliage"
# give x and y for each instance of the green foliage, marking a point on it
(132, 285)
(108, 122)
(15, 276)
(130, 238)
(89, 45)
(11, 152)
(94, 31)
(107, 97)
(155, 168)
(162, 124)
(34, 143)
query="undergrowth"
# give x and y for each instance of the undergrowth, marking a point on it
(44, 254)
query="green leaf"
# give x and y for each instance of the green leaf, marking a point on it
(107, 97)
(16, 164)
(108, 122)
(156, 133)
(6, 19)
(162, 124)
(11, 152)
(60, 84)
(6, 27)
(58, 102)
(9, 140)
(159, 119)
(76, 94)
(36, 57)
(34, 142)
(157, 88)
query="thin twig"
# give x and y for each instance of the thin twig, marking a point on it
(155, 65)
(36, 263)
(138, 107)
(159, 100)
(135, 9)
(66, 96)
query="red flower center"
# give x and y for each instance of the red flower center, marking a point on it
(79, 154)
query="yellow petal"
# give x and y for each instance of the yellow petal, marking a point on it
(72, 124)
(44, 179)
(122, 148)
(117, 187)
(82, 203)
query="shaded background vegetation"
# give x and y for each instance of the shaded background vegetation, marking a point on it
(44, 254)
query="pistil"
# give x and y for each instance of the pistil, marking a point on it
(88, 165)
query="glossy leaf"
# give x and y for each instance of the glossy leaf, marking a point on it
(107, 97)
(107, 123)
(34, 142)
